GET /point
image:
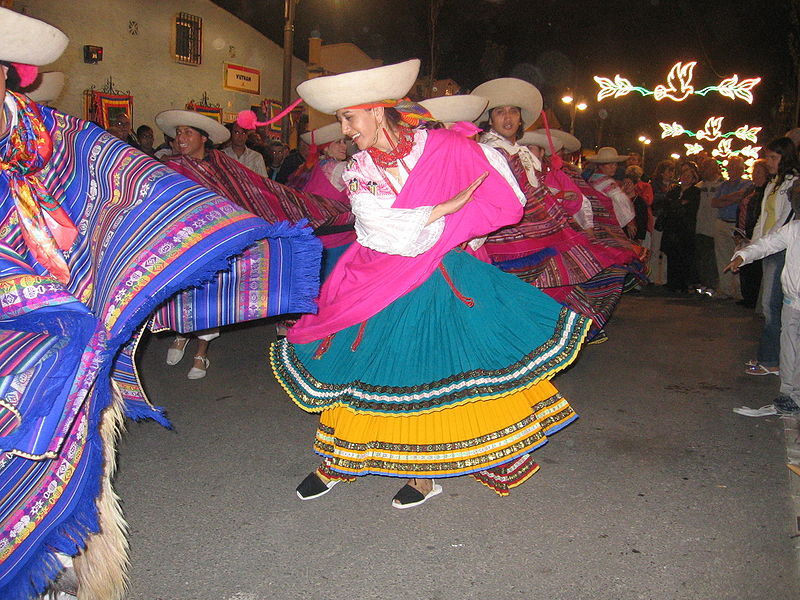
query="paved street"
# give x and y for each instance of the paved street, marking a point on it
(658, 491)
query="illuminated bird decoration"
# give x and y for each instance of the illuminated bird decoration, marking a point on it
(712, 129)
(681, 75)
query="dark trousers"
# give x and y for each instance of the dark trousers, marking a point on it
(750, 282)
(705, 261)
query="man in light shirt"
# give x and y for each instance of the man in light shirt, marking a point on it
(238, 150)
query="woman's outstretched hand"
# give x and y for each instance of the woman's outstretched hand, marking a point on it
(458, 201)
(734, 265)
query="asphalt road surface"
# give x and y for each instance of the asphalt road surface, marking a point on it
(658, 491)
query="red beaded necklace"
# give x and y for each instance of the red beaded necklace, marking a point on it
(399, 151)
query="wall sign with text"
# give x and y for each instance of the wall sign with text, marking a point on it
(242, 79)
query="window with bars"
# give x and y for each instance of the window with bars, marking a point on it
(188, 39)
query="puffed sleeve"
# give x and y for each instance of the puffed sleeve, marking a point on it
(403, 231)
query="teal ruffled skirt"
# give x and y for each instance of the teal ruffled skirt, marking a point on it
(464, 360)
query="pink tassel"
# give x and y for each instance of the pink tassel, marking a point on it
(27, 73)
(247, 118)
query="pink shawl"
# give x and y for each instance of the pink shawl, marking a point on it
(365, 281)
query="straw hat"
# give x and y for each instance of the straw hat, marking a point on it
(510, 91)
(451, 109)
(331, 132)
(568, 141)
(49, 87)
(329, 94)
(539, 138)
(169, 120)
(607, 154)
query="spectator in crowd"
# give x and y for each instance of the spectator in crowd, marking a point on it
(729, 194)
(749, 210)
(145, 137)
(705, 259)
(277, 152)
(293, 160)
(120, 127)
(661, 182)
(237, 149)
(638, 230)
(786, 240)
(677, 221)
(776, 210)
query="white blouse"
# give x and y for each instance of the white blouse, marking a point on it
(403, 231)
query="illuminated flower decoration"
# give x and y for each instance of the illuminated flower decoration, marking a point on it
(681, 75)
(619, 87)
(750, 151)
(747, 133)
(693, 149)
(723, 149)
(733, 88)
(679, 86)
(749, 164)
(712, 129)
(674, 130)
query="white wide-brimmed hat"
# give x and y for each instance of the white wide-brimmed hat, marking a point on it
(47, 87)
(510, 91)
(330, 93)
(168, 120)
(539, 138)
(451, 109)
(607, 154)
(324, 135)
(29, 41)
(568, 141)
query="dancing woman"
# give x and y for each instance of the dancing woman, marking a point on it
(423, 361)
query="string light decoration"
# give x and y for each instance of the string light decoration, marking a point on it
(678, 87)
(712, 132)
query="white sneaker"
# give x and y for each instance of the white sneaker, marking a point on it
(765, 411)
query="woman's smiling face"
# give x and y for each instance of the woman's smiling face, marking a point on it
(359, 124)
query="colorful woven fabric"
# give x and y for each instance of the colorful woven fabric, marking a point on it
(145, 233)
(226, 300)
(546, 225)
(261, 196)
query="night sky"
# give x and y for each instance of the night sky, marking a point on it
(560, 45)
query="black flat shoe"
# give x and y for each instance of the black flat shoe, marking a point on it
(313, 487)
(409, 496)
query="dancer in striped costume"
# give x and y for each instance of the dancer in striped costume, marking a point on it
(547, 247)
(194, 309)
(327, 157)
(93, 236)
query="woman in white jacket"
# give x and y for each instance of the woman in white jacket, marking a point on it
(785, 240)
(776, 210)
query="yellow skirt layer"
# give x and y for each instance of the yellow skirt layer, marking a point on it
(464, 439)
